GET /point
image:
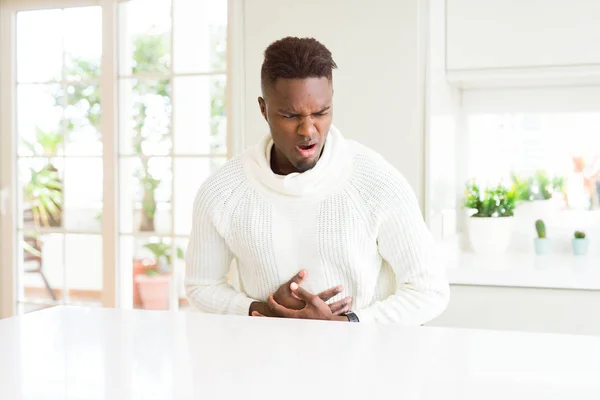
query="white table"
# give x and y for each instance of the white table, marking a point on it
(81, 353)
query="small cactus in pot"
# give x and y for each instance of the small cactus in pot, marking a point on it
(580, 243)
(542, 243)
(540, 227)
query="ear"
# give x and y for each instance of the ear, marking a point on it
(263, 108)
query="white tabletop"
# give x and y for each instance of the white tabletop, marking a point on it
(80, 353)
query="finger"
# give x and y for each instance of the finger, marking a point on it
(329, 293)
(257, 314)
(280, 310)
(303, 294)
(299, 277)
(347, 308)
(338, 305)
(294, 294)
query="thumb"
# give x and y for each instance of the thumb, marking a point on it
(299, 277)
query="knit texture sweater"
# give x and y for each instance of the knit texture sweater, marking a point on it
(351, 220)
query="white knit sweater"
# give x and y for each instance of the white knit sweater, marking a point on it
(351, 220)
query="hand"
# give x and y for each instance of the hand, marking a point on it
(286, 297)
(315, 307)
(283, 295)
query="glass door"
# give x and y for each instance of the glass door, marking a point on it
(172, 135)
(58, 157)
(109, 124)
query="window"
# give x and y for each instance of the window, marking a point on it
(171, 133)
(541, 145)
(562, 150)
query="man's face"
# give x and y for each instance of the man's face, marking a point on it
(299, 113)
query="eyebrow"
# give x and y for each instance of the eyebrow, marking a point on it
(296, 114)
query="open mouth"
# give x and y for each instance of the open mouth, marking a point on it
(307, 150)
(307, 146)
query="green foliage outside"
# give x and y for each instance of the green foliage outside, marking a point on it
(43, 193)
(151, 54)
(538, 186)
(44, 190)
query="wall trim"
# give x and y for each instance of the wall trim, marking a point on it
(7, 162)
(236, 77)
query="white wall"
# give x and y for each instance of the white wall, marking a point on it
(484, 34)
(485, 307)
(379, 49)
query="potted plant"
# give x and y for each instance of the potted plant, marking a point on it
(154, 283)
(140, 266)
(491, 217)
(541, 243)
(580, 244)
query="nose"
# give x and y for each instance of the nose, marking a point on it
(307, 127)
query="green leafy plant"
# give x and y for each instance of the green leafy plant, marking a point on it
(43, 193)
(31, 245)
(45, 142)
(579, 235)
(151, 54)
(540, 227)
(497, 201)
(558, 184)
(162, 255)
(537, 187)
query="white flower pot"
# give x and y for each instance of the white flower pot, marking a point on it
(490, 235)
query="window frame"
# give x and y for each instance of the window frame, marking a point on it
(489, 100)
(112, 277)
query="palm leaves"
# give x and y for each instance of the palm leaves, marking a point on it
(43, 193)
(46, 143)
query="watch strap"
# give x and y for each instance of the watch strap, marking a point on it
(352, 317)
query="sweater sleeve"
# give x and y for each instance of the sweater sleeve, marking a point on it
(404, 241)
(208, 262)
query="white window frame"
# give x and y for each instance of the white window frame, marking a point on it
(497, 99)
(108, 88)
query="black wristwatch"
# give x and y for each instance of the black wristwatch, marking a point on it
(351, 316)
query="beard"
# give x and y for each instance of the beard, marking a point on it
(306, 165)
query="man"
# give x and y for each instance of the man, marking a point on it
(321, 227)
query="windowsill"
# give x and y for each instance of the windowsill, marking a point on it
(552, 271)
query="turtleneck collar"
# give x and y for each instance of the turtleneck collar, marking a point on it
(321, 179)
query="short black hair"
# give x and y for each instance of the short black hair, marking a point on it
(296, 58)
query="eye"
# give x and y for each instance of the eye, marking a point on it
(289, 116)
(320, 114)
